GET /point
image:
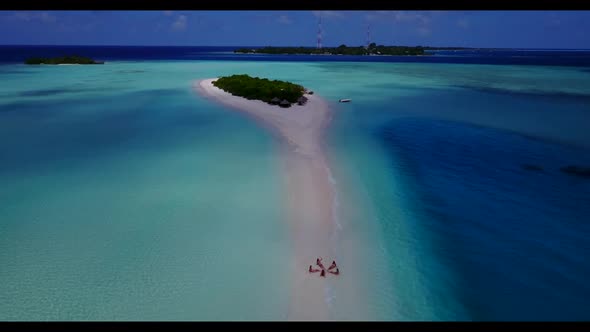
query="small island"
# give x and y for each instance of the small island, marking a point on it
(63, 60)
(273, 92)
(306, 172)
(371, 49)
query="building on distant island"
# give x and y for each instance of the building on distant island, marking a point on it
(285, 103)
(275, 101)
(370, 49)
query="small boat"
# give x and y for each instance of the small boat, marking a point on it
(344, 100)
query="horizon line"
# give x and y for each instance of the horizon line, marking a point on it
(311, 46)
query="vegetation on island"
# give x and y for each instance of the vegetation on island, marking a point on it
(260, 88)
(371, 49)
(68, 59)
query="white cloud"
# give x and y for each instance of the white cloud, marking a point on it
(401, 16)
(424, 31)
(284, 19)
(168, 12)
(419, 20)
(463, 23)
(180, 23)
(554, 23)
(328, 13)
(375, 15)
(35, 17)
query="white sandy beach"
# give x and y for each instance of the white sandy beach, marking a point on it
(301, 126)
(310, 194)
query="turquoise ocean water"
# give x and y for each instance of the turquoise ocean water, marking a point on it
(127, 196)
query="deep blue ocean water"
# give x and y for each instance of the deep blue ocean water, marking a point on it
(516, 238)
(134, 53)
(112, 178)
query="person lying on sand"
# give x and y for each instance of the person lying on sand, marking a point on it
(333, 266)
(336, 273)
(323, 274)
(319, 263)
(311, 270)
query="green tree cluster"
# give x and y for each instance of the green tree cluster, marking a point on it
(371, 49)
(259, 88)
(68, 59)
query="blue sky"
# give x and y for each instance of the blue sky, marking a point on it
(518, 29)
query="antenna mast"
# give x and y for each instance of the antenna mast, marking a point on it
(319, 46)
(368, 34)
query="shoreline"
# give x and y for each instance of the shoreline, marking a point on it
(300, 126)
(310, 193)
(363, 55)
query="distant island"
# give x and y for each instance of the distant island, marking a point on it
(273, 92)
(68, 59)
(372, 49)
